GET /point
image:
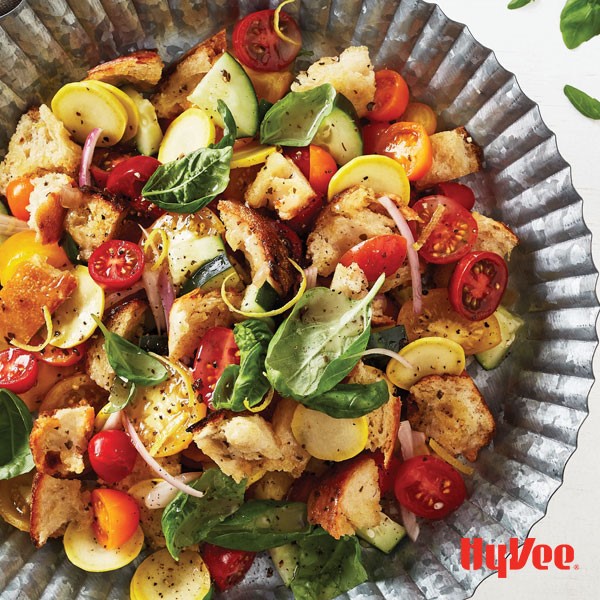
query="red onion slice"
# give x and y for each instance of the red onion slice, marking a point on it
(163, 492)
(405, 438)
(150, 280)
(116, 297)
(409, 520)
(86, 156)
(10, 225)
(166, 291)
(391, 354)
(311, 277)
(114, 421)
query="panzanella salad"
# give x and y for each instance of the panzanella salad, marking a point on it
(237, 304)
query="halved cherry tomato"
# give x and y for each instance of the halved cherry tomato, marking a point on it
(391, 96)
(116, 264)
(477, 285)
(291, 240)
(417, 112)
(458, 192)
(305, 219)
(257, 45)
(217, 350)
(226, 567)
(18, 370)
(429, 487)
(452, 237)
(387, 476)
(112, 455)
(62, 357)
(18, 192)
(409, 144)
(370, 135)
(316, 164)
(381, 254)
(116, 517)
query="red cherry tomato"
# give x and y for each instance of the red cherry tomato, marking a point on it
(18, 192)
(18, 370)
(116, 517)
(306, 218)
(226, 567)
(387, 476)
(452, 237)
(112, 455)
(391, 96)
(116, 264)
(316, 164)
(291, 240)
(370, 135)
(458, 192)
(381, 254)
(62, 357)
(429, 487)
(477, 285)
(217, 349)
(257, 46)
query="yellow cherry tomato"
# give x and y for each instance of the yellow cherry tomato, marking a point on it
(417, 112)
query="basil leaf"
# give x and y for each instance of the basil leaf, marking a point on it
(263, 108)
(350, 400)
(518, 4)
(294, 120)
(586, 105)
(223, 391)
(319, 343)
(260, 525)
(15, 426)
(579, 21)
(71, 249)
(187, 520)
(229, 129)
(130, 362)
(121, 394)
(393, 339)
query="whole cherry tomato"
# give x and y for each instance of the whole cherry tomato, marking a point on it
(112, 455)
(316, 164)
(116, 264)
(18, 192)
(116, 517)
(381, 254)
(391, 96)
(18, 370)
(226, 567)
(370, 135)
(62, 357)
(417, 112)
(457, 191)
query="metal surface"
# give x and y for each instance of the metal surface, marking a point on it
(538, 395)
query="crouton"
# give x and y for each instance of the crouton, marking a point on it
(54, 504)
(259, 240)
(142, 471)
(46, 210)
(59, 439)
(127, 320)
(281, 186)
(34, 284)
(350, 281)
(270, 85)
(181, 79)
(351, 74)
(295, 457)
(493, 236)
(40, 144)
(141, 69)
(239, 180)
(455, 155)
(451, 410)
(347, 498)
(191, 316)
(96, 219)
(274, 485)
(150, 518)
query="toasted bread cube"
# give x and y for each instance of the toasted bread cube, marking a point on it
(347, 498)
(350, 281)
(280, 186)
(45, 207)
(351, 74)
(179, 81)
(35, 284)
(451, 410)
(295, 457)
(493, 236)
(455, 155)
(272, 486)
(41, 143)
(59, 440)
(141, 69)
(54, 504)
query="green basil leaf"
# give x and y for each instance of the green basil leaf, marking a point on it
(586, 105)
(230, 128)
(513, 4)
(392, 339)
(121, 394)
(263, 108)
(260, 525)
(350, 400)
(579, 21)
(294, 120)
(319, 343)
(221, 398)
(130, 362)
(187, 520)
(15, 426)
(71, 249)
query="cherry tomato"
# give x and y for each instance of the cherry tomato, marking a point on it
(62, 357)
(305, 219)
(99, 175)
(18, 192)
(116, 264)
(18, 370)
(429, 487)
(370, 135)
(112, 455)
(417, 112)
(453, 236)
(257, 45)
(116, 517)
(316, 164)
(387, 476)
(381, 254)
(226, 567)
(477, 285)
(391, 96)
(458, 192)
(291, 240)
(409, 144)
(217, 349)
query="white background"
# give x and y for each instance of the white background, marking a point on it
(528, 43)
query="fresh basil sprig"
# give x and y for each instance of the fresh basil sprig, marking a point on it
(513, 4)
(586, 105)
(15, 426)
(579, 22)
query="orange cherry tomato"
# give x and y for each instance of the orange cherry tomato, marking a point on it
(116, 517)
(17, 194)
(322, 169)
(370, 136)
(409, 144)
(417, 112)
(391, 96)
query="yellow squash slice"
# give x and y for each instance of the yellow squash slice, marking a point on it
(251, 155)
(191, 130)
